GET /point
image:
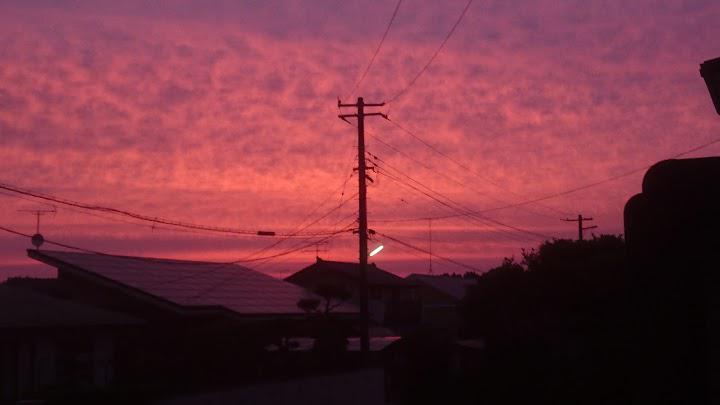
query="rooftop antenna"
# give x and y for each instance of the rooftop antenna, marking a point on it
(318, 248)
(37, 239)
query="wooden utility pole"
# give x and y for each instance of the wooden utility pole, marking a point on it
(363, 227)
(580, 220)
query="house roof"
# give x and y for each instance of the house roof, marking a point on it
(23, 308)
(185, 285)
(376, 276)
(454, 287)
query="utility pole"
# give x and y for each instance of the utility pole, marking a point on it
(363, 227)
(580, 220)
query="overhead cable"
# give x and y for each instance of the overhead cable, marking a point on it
(432, 58)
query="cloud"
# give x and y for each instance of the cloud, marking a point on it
(225, 112)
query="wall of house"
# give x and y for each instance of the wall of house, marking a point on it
(33, 362)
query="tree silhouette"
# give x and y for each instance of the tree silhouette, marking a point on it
(333, 295)
(330, 336)
(556, 323)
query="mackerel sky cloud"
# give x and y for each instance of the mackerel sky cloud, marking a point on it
(224, 113)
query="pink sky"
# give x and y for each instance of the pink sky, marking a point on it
(223, 113)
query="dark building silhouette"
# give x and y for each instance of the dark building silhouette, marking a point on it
(203, 325)
(710, 72)
(392, 299)
(672, 233)
(439, 297)
(52, 344)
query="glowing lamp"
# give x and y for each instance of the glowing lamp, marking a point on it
(710, 71)
(376, 250)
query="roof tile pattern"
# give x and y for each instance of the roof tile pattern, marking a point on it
(189, 283)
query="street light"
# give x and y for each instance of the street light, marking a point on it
(710, 71)
(376, 250)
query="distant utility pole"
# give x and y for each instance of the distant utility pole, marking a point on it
(363, 229)
(580, 220)
(430, 270)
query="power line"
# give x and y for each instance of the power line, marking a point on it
(558, 194)
(419, 249)
(298, 242)
(454, 180)
(302, 228)
(147, 218)
(377, 50)
(284, 253)
(391, 147)
(117, 220)
(8, 230)
(265, 259)
(439, 201)
(184, 277)
(465, 167)
(361, 114)
(463, 211)
(432, 58)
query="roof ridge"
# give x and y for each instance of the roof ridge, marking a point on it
(146, 258)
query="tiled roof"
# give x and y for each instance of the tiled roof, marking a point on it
(187, 284)
(376, 276)
(455, 287)
(22, 308)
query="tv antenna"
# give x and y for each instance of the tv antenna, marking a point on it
(319, 247)
(37, 239)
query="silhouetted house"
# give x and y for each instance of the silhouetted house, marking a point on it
(51, 344)
(392, 299)
(672, 236)
(206, 323)
(439, 297)
(165, 288)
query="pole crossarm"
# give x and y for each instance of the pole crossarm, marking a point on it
(581, 228)
(340, 104)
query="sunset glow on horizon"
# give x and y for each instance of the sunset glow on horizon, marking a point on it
(224, 114)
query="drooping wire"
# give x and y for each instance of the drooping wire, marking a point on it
(119, 219)
(303, 227)
(423, 164)
(561, 193)
(51, 242)
(461, 210)
(294, 249)
(134, 215)
(466, 167)
(377, 50)
(452, 179)
(404, 90)
(427, 252)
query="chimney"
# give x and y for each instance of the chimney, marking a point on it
(710, 71)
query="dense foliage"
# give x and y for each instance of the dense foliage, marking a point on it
(555, 324)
